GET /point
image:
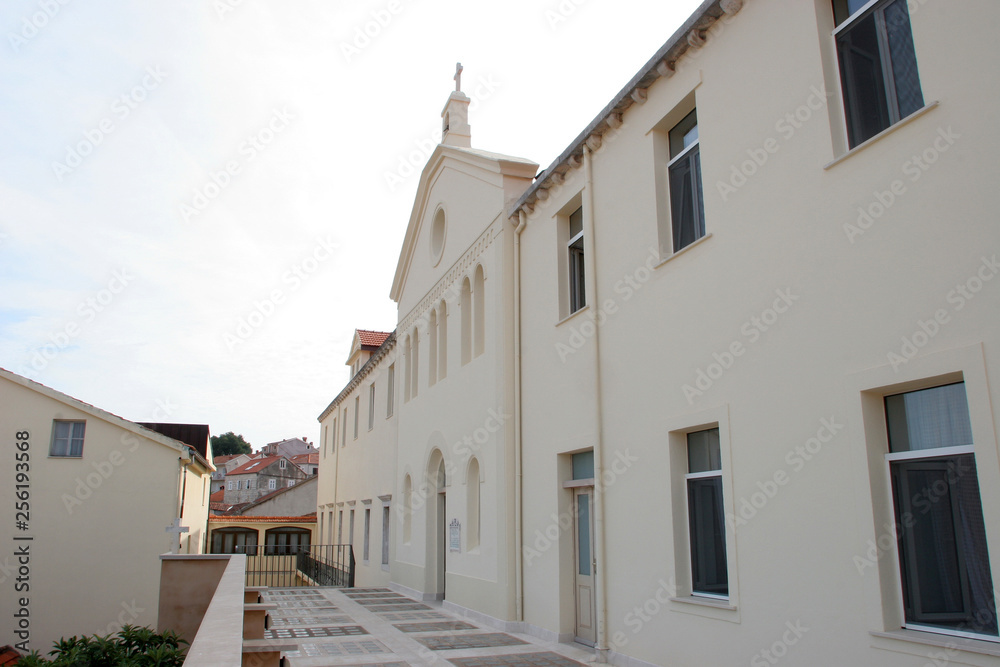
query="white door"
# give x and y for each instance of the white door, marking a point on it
(586, 604)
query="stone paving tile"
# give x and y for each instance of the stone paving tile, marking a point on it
(370, 596)
(518, 660)
(305, 604)
(288, 621)
(429, 615)
(301, 633)
(399, 599)
(399, 607)
(445, 626)
(454, 642)
(348, 591)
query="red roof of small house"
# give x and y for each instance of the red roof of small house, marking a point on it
(372, 339)
(223, 459)
(302, 459)
(8, 656)
(255, 465)
(218, 496)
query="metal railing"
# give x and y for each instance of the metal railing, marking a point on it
(293, 566)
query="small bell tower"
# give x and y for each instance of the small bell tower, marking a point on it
(455, 129)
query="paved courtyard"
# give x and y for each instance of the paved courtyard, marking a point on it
(375, 627)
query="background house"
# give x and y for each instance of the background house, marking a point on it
(290, 447)
(100, 493)
(259, 477)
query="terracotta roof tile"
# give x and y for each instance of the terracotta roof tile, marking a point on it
(308, 518)
(372, 338)
(254, 466)
(8, 656)
(311, 457)
(218, 496)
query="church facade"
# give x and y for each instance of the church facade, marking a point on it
(715, 386)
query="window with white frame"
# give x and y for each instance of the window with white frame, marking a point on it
(878, 65)
(943, 560)
(706, 515)
(371, 406)
(272, 483)
(687, 200)
(282, 464)
(577, 271)
(230, 486)
(67, 438)
(239, 484)
(291, 483)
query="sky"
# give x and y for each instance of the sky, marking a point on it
(201, 201)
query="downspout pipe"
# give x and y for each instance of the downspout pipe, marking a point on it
(590, 258)
(518, 482)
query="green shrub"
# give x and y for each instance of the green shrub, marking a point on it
(132, 647)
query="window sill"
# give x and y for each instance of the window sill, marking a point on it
(572, 315)
(683, 250)
(979, 646)
(887, 131)
(705, 602)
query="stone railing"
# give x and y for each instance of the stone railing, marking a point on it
(204, 599)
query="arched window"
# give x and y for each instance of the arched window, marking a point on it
(407, 508)
(286, 541)
(479, 311)
(234, 540)
(442, 318)
(432, 350)
(415, 387)
(473, 509)
(407, 369)
(466, 321)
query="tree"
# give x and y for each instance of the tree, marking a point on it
(229, 443)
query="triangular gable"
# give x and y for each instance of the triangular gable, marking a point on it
(490, 166)
(104, 415)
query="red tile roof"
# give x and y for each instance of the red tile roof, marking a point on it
(8, 656)
(223, 459)
(301, 459)
(308, 518)
(372, 338)
(254, 466)
(218, 496)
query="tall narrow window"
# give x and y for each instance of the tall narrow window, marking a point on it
(472, 509)
(407, 368)
(340, 527)
(357, 409)
(706, 517)
(479, 311)
(343, 439)
(466, 321)
(407, 508)
(943, 558)
(432, 348)
(415, 386)
(577, 272)
(371, 406)
(326, 441)
(368, 525)
(333, 444)
(350, 529)
(67, 438)
(687, 202)
(385, 535)
(390, 388)
(442, 340)
(878, 65)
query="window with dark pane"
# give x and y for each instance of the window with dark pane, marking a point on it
(687, 202)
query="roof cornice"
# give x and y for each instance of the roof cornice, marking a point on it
(362, 373)
(690, 35)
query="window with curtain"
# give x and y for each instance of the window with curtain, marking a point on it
(67, 438)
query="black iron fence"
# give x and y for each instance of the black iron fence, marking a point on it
(291, 566)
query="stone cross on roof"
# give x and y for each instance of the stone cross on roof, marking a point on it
(177, 529)
(458, 77)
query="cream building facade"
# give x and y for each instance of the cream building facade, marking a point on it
(98, 494)
(744, 412)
